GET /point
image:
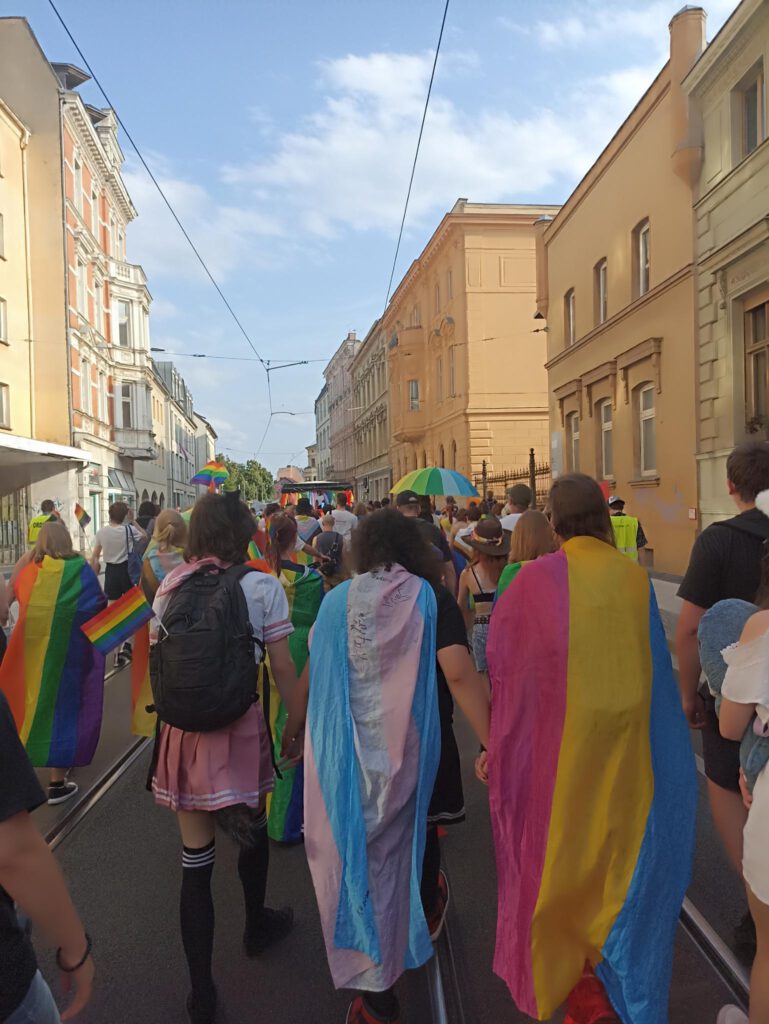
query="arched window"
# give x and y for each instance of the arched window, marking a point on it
(424, 458)
(453, 454)
(441, 457)
(145, 495)
(162, 501)
(154, 498)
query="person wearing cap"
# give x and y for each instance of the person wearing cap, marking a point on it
(490, 544)
(519, 500)
(408, 504)
(628, 532)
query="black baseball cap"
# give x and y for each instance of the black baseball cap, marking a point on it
(406, 498)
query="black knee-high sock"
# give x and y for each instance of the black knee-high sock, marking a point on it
(253, 862)
(196, 912)
(431, 866)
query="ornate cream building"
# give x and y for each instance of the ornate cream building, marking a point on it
(617, 288)
(341, 465)
(465, 363)
(727, 87)
(373, 476)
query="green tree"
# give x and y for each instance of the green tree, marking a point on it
(254, 482)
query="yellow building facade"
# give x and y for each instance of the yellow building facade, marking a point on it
(616, 285)
(465, 361)
(727, 88)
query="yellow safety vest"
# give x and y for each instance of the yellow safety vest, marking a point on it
(626, 535)
(35, 526)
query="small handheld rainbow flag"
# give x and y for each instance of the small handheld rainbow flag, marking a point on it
(82, 516)
(118, 621)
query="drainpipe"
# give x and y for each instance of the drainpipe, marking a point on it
(28, 270)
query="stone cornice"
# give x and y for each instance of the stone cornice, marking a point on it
(723, 51)
(737, 246)
(88, 140)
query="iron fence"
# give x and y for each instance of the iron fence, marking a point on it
(536, 475)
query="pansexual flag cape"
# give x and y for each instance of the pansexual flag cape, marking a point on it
(372, 747)
(592, 784)
(304, 589)
(119, 620)
(52, 676)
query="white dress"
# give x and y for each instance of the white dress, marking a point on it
(747, 682)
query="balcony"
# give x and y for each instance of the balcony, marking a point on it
(410, 425)
(136, 443)
(127, 273)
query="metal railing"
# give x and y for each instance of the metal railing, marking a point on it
(536, 475)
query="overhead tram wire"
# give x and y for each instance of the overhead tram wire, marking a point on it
(416, 155)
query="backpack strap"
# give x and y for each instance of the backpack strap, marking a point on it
(237, 572)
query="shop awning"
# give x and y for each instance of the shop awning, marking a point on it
(25, 461)
(121, 482)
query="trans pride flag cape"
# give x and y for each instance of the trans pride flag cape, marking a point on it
(304, 589)
(372, 747)
(592, 784)
(52, 674)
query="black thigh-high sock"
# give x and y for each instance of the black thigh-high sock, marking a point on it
(382, 1004)
(253, 862)
(431, 866)
(196, 912)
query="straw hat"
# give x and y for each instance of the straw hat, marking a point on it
(489, 537)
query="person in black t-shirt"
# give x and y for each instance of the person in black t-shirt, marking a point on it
(725, 563)
(408, 504)
(30, 875)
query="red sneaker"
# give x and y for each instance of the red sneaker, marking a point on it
(437, 917)
(588, 1002)
(359, 1013)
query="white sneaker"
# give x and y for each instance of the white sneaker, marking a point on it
(731, 1015)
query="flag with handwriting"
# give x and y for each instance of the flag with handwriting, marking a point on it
(119, 620)
(51, 675)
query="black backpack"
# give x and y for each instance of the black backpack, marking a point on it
(334, 555)
(203, 670)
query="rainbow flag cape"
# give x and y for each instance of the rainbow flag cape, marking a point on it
(82, 516)
(592, 789)
(371, 755)
(118, 621)
(304, 590)
(257, 546)
(52, 676)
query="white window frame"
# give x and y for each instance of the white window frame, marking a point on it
(570, 317)
(413, 386)
(607, 428)
(644, 415)
(754, 79)
(126, 400)
(5, 406)
(574, 439)
(3, 321)
(77, 182)
(102, 396)
(602, 291)
(644, 258)
(95, 213)
(98, 304)
(128, 333)
(85, 386)
(82, 288)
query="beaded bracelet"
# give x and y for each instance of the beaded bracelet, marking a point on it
(83, 958)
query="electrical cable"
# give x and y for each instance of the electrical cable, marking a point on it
(416, 154)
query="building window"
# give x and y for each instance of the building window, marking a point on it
(647, 431)
(124, 323)
(85, 386)
(751, 104)
(103, 397)
(607, 440)
(95, 213)
(437, 298)
(413, 395)
(82, 289)
(569, 317)
(416, 316)
(125, 406)
(78, 185)
(98, 305)
(441, 457)
(641, 259)
(5, 406)
(2, 237)
(453, 454)
(601, 292)
(452, 373)
(572, 431)
(439, 378)
(3, 321)
(757, 359)
(112, 236)
(450, 284)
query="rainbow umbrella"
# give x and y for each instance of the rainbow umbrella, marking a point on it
(211, 475)
(434, 480)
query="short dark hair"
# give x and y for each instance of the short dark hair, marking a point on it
(578, 509)
(118, 510)
(520, 495)
(385, 537)
(271, 508)
(221, 526)
(747, 469)
(385, 502)
(147, 508)
(47, 506)
(341, 500)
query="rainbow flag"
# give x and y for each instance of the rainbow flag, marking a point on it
(118, 621)
(52, 676)
(592, 789)
(82, 516)
(304, 589)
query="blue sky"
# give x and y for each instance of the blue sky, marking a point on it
(283, 133)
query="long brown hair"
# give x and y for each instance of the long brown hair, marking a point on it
(578, 508)
(532, 537)
(53, 540)
(283, 532)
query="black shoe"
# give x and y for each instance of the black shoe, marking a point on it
(59, 792)
(745, 938)
(273, 926)
(202, 1009)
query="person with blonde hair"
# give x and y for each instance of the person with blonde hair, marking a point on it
(165, 550)
(532, 537)
(52, 675)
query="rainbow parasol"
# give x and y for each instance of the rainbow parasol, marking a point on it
(435, 480)
(211, 475)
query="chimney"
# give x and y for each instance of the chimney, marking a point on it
(352, 335)
(687, 42)
(540, 226)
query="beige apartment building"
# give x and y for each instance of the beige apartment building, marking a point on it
(617, 287)
(727, 87)
(341, 442)
(465, 361)
(373, 476)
